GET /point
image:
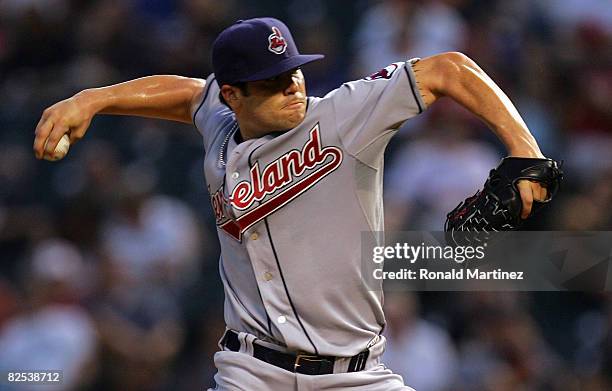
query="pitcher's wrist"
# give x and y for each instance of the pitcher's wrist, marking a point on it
(93, 100)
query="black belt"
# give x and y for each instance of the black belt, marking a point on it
(300, 363)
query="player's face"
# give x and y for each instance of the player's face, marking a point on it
(274, 104)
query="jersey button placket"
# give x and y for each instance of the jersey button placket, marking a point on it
(268, 279)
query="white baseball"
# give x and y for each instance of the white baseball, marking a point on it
(61, 149)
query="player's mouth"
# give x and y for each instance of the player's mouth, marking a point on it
(294, 105)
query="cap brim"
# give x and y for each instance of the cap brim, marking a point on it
(284, 66)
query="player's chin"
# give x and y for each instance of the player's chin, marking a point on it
(293, 118)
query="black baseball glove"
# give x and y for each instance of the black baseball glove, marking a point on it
(498, 206)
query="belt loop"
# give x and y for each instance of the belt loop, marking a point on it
(241, 338)
(248, 340)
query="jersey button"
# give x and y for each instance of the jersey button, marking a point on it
(268, 276)
(282, 319)
(235, 175)
(254, 236)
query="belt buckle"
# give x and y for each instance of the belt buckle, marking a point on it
(303, 357)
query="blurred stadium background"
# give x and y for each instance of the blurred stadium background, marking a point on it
(108, 259)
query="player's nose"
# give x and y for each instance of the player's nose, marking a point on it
(293, 86)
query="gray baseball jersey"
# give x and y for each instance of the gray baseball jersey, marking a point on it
(290, 208)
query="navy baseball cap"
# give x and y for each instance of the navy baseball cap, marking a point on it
(256, 49)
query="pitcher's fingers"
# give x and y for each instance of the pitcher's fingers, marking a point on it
(526, 198)
(42, 132)
(543, 194)
(54, 137)
(539, 191)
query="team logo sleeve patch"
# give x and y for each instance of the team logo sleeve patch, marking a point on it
(384, 73)
(276, 42)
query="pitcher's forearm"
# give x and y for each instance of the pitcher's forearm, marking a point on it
(455, 75)
(479, 94)
(163, 96)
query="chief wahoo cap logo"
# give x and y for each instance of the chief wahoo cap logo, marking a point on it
(277, 45)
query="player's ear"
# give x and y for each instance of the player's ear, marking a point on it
(231, 95)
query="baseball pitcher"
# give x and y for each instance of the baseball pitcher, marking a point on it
(293, 181)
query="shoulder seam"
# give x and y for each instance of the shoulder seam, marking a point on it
(412, 86)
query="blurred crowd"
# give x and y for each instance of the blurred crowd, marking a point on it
(108, 259)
